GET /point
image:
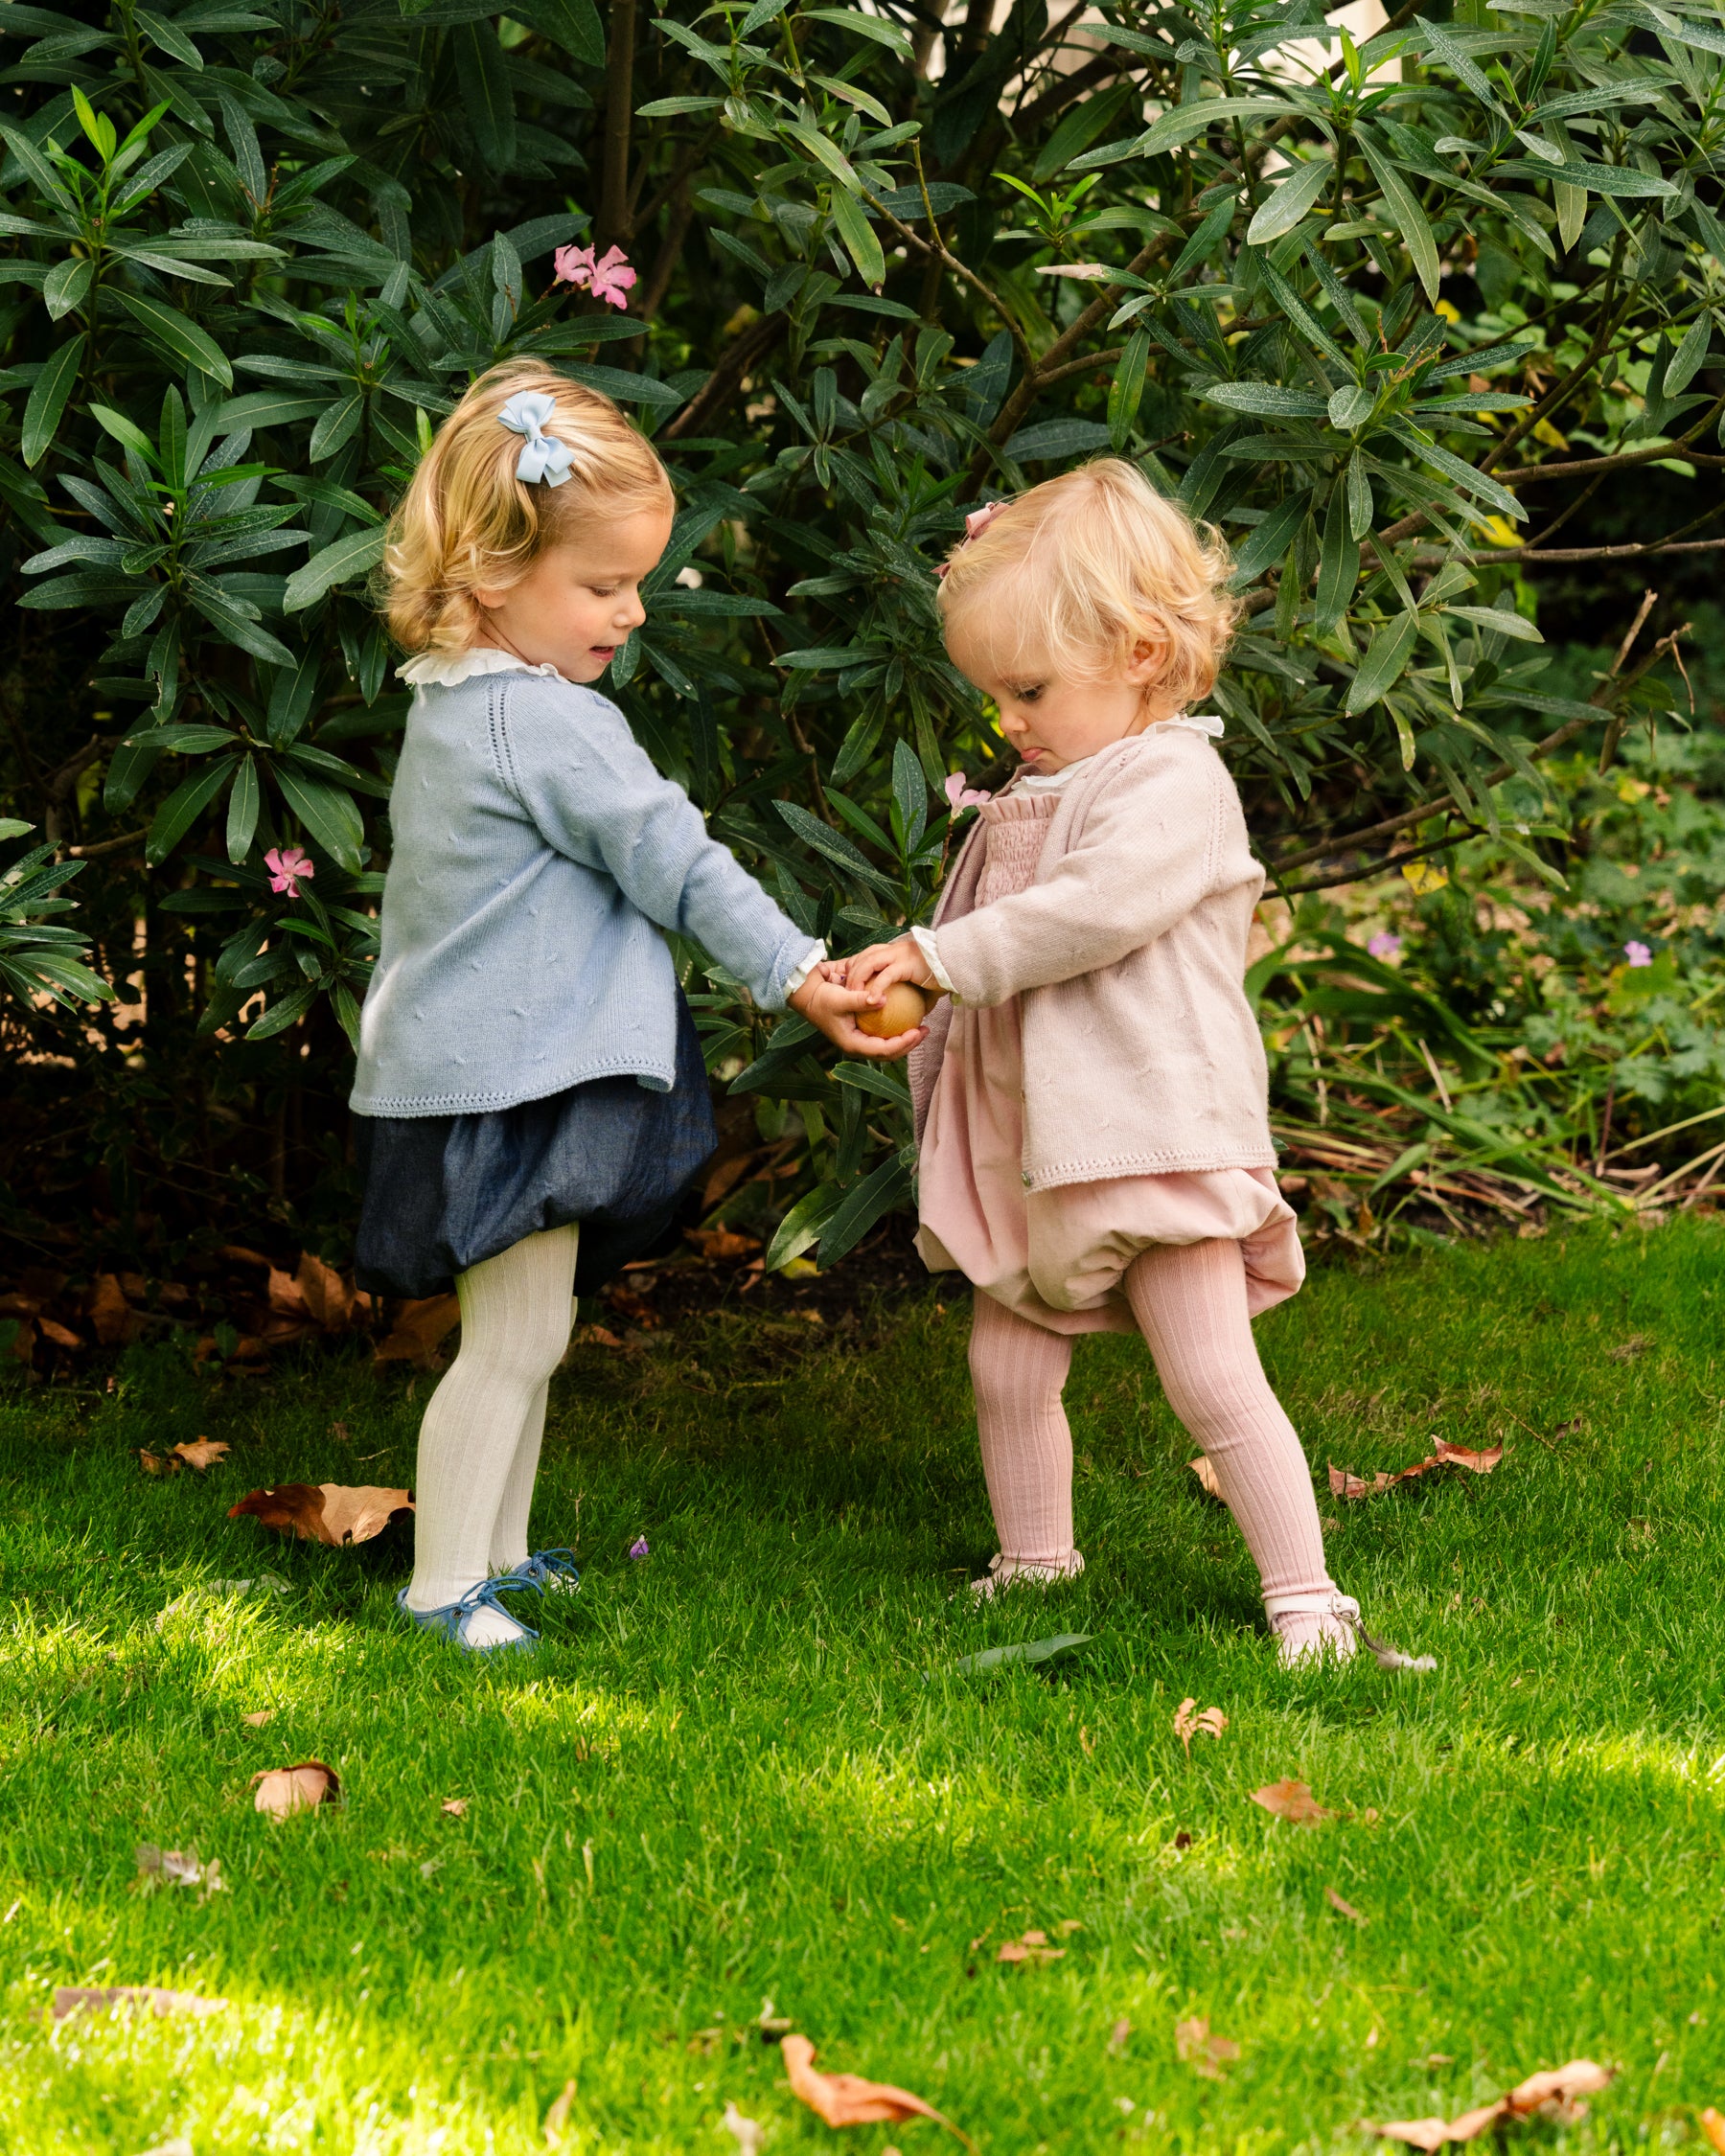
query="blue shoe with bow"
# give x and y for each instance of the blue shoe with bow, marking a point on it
(547, 1572)
(453, 1621)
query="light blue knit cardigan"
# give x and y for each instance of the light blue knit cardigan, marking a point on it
(535, 847)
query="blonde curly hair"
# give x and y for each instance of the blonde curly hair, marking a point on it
(467, 524)
(1078, 572)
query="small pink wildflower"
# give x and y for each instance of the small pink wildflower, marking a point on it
(607, 276)
(1637, 953)
(960, 798)
(287, 866)
(638, 1548)
(1384, 945)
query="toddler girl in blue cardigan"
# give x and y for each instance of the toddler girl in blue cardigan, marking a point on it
(530, 1084)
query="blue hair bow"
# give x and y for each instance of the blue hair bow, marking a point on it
(544, 457)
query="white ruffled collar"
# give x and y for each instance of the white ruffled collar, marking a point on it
(448, 670)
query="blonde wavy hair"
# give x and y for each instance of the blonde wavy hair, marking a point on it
(1076, 573)
(467, 524)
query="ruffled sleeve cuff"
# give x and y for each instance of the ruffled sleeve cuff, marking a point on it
(795, 979)
(923, 939)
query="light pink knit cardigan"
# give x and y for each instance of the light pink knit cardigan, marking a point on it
(1141, 1055)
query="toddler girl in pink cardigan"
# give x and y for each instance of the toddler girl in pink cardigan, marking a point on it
(1091, 1110)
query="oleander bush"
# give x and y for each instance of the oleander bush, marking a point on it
(1398, 317)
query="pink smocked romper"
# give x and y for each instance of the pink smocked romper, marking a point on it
(1057, 1256)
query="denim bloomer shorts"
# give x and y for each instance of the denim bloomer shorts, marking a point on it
(446, 1192)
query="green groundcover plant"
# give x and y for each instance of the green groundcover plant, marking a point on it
(1385, 313)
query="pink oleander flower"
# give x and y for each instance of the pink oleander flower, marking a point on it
(287, 868)
(573, 266)
(959, 796)
(1637, 953)
(607, 276)
(1384, 945)
(638, 1548)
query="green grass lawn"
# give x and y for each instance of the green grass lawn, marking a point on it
(741, 1769)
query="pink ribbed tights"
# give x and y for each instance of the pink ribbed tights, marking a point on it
(1189, 1301)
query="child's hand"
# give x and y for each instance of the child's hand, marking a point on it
(878, 968)
(826, 1003)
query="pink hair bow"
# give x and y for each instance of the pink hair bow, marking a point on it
(977, 523)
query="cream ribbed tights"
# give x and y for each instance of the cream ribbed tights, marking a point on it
(479, 1443)
(1189, 1301)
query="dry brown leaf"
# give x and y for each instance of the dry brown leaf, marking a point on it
(328, 1512)
(112, 1317)
(103, 1997)
(1638, 1344)
(154, 1464)
(1344, 1908)
(325, 1294)
(455, 1806)
(202, 1453)
(1551, 2096)
(285, 1296)
(558, 2117)
(1713, 2125)
(1344, 1484)
(62, 1336)
(1292, 1801)
(846, 2100)
(417, 1328)
(717, 1244)
(1118, 2036)
(1203, 2052)
(257, 1721)
(236, 1253)
(281, 1790)
(596, 1336)
(1205, 1473)
(1033, 1947)
(1186, 1725)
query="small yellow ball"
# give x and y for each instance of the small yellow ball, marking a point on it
(905, 1006)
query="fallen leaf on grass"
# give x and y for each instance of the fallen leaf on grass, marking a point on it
(417, 1328)
(326, 1512)
(1207, 1477)
(846, 2100)
(283, 1790)
(1186, 1725)
(1030, 1946)
(455, 1806)
(1638, 1344)
(114, 1320)
(105, 1997)
(202, 1453)
(1026, 1650)
(1551, 2096)
(1713, 2125)
(1118, 2035)
(745, 2132)
(1292, 1801)
(595, 1336)
(558, 2117)
(257, 1721)
(1344, 1484)
(1344, 1908)
(1203, 2052)
(180, 1867)
(62, 1336)
(154, 1464)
